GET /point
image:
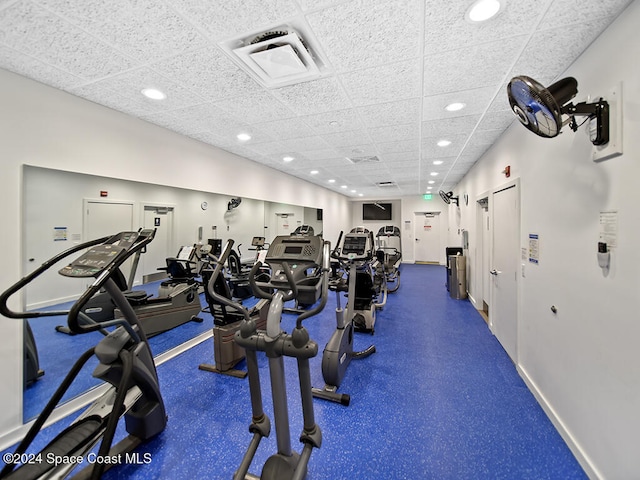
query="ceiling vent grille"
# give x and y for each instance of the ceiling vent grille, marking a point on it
(280, 56)
(386, 184)
(364, 159)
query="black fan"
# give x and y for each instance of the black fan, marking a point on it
(233, 203)
(447, 197)
(540, 109)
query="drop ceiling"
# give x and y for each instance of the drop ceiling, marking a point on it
(389, 69)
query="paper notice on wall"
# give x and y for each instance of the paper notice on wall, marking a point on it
(534, 248)
(609, 228)
(59, 234)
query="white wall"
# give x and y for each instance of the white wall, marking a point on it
(44, 127)
(583, 363)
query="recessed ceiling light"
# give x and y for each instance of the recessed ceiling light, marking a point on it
(482, 10)
(353, 191)
(313, 172)
(361, 194)
(438, 162)
(429, 188)
(331, 180)
(434, 174)
(455, 106)
(153, 94)
(431, 182)
(287, 159)
(343, 186)
(444, 143)
(243, 137)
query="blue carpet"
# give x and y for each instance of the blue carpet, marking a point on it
(439, 400)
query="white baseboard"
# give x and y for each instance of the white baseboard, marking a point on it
(584, 461)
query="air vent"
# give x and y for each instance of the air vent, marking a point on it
(280, 56)
(364, 159)
(386, 184)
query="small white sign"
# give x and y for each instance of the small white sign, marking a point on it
(534, 248)
(609, 228)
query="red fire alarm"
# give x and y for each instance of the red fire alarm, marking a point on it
(104, 193)
(507, 171)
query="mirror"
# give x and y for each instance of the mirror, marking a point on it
(61, 209)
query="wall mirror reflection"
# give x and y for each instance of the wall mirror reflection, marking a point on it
(63, 209)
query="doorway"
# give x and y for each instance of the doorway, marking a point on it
(427, 237)
(104, 218)
(161, 218)
(505, 246)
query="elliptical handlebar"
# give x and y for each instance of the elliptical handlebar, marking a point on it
(292, 290)
(224, 256)
(4, 297)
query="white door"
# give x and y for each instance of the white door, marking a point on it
(285, 224)
(505, 212)
(486, 242)
(427, 238)
(160, 218)
(102, 218)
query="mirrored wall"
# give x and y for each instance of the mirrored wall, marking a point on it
(63, 209)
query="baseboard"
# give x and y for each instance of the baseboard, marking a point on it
(49, 303)
(584, 461)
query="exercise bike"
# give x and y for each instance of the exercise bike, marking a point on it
(288, 257)
(125, 362)
(339, 352)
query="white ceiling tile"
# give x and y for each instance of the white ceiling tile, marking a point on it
(446, 28)
(391, 113)
(306, 143)
(470, 67)
(130, 85)
(387, 83)
(221, 19)
(564, 12)
(37, 70)
(361, 33)
(316, 96)
(550, 52)
(333, 121)
(443, 127)
(256, 108)
(144, 29)
(286, 128)
(209, 73)
(385, 59)
(40, 34)
(347, 139)
(386, 148)
(476, 102)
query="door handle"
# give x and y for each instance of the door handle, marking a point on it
(493, 271)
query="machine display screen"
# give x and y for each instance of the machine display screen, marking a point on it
(293, 250)
(353, 244)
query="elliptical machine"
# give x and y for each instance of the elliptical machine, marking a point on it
(339, 352)
(288, 257)
(125, 362)
(390, 244)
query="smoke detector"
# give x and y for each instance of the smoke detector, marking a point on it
(279, 56)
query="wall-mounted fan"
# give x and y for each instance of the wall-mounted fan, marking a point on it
(540, 109)
(447, 197)
(233, 203)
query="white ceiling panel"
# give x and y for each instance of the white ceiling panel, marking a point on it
(389, 68)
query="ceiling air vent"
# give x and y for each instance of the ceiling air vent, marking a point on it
(280, 56)
(386, 184)
(364, 159)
